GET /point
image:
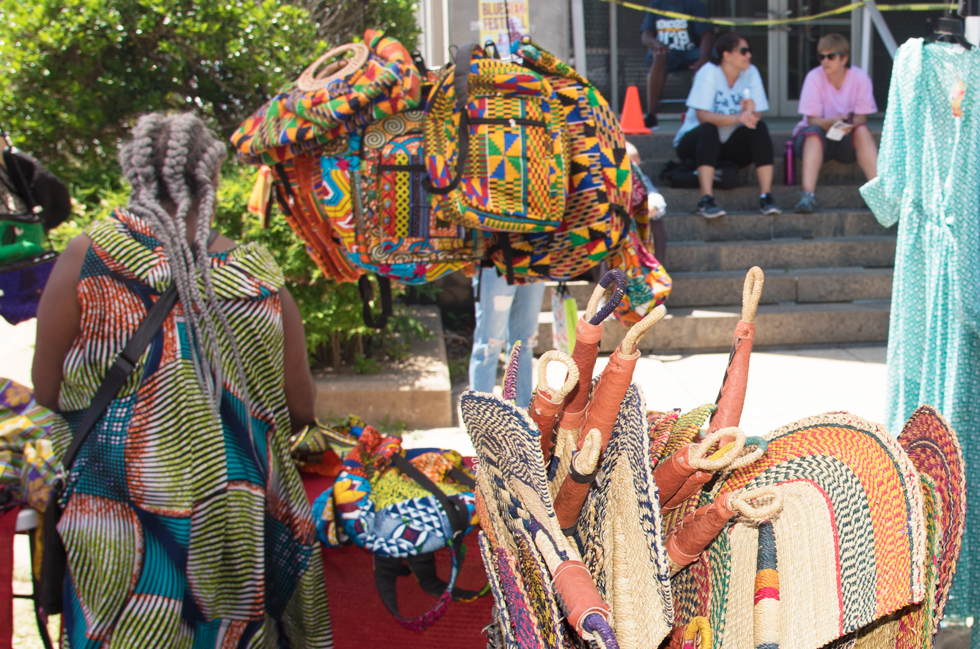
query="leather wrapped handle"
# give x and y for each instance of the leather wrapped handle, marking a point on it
(313, 79)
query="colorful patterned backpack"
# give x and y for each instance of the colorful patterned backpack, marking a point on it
(596, 217)
(401, 507)
(391, 225)
(321, 107)
(495, 147)
(306, 200)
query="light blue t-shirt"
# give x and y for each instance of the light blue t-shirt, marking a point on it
(711, 92)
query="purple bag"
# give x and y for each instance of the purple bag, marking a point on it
(21, 284)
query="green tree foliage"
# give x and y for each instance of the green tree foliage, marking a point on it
(76, 73)
(342, 21)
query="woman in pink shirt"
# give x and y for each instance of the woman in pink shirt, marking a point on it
(831, 93)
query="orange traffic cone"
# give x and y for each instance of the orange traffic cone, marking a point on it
(632, 119)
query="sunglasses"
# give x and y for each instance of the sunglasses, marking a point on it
(744, 50)
(831, 56)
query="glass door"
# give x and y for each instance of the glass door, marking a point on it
(797, 47)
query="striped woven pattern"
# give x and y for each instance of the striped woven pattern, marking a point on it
(518, 509)
(180, 529)
(595, 220)
(619, 533)
(766, 612)
(934, 449)
(514, 176)
(850, 493)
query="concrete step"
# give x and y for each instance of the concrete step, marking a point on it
(831, 172)
(840, 197)
(724, 288)
(659, 145)
(416, 393)
(807, 286)
(708, 329)
(736, 226)
(833, 252)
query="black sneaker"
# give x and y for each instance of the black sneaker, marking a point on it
(708, 209)
(650, 121)
(767, 205)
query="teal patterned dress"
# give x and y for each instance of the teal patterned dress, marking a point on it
(182, 530)
(929, 183)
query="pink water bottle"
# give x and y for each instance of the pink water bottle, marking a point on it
(788, 163)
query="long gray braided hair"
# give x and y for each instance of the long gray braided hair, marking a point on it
(172, 165)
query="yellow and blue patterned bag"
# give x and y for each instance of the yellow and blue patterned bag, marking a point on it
(494, 145)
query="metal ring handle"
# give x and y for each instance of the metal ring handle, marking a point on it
(313, 79)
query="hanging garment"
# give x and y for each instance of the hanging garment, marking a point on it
(183, 528)
(929, 183)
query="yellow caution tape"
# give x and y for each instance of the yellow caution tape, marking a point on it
(748, 22)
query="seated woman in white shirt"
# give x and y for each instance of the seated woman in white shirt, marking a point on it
(724, 122)
(834, 92)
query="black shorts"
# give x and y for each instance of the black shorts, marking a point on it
(841, 150)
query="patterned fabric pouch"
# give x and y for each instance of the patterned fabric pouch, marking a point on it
(495, 147)
(24, 449)
(648, 283)
(388, 222)
(596, 217)
(323, 106)
(401, 507)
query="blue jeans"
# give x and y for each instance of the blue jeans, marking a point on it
(504, 314)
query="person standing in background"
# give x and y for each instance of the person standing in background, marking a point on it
(834, 92)
(504, 314)
(675, 44)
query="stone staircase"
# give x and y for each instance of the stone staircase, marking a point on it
(828, 274)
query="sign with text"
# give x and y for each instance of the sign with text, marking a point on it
(503, 22)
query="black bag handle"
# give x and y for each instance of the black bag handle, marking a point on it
(367, 295)
(388, 569)
(461, 81)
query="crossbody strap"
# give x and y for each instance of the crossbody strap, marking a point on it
(123, 367)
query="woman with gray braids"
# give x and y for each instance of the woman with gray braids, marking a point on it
(185, 521)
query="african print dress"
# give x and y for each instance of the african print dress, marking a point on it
(181, 529)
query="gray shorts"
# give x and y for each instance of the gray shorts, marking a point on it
(841, 151)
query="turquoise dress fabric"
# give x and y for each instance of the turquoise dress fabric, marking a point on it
(929, 183)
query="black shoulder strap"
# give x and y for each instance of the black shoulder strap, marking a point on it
(123, 366)
(121, 369)
(367, 295)
(461, 80)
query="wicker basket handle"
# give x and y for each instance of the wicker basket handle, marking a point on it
(751, 292)
(628, 346)
(314, 79)
(593, 314)
(698, 634)
(571, 379)
(772, 503)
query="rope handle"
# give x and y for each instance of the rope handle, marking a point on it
(755, 447)
(698, 634)
(571, 379)
(700, 459)
(757, 512)
(313, 79)
(628, 346)
(595, 316)
(751, 293)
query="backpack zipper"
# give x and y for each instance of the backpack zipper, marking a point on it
(507, 121)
